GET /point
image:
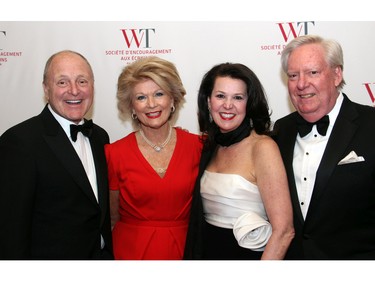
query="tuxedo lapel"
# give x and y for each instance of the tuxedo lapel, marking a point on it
(288, 139)
(64, 151)
(97, 148)
(343, 130)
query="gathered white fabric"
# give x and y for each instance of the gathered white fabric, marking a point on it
(230, 201)
(252, 231)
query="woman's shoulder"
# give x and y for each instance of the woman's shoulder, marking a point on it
(186, 134)
(262, 142)
(189, 137)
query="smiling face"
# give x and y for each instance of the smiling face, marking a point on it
(151, 104)
(312, 83)
(69, 86)
(227, 103)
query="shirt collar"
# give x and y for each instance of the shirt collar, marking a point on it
(335, 110)
(64, 123)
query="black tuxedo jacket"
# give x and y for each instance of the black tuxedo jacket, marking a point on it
(340, 222)
(47, 207)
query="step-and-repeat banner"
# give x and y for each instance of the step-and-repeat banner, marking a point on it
(194, 47)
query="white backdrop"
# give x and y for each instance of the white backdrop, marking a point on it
(192, 45)
(195, 47)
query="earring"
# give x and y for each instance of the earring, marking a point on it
(173, 109)
(134, 116)
(209, 113)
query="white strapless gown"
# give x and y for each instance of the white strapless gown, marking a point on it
(230, 201)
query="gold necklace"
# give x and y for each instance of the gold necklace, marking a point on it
(156, 147)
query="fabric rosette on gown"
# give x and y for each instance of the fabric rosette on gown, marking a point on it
(252, 231)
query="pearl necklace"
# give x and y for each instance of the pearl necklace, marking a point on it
(156, 147)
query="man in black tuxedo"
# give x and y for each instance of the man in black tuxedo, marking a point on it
(331, 173)
(54, 200)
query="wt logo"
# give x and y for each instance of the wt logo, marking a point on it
(137, 37)
(369, 91)
(295, 29)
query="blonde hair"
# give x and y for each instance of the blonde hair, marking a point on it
(162, 72)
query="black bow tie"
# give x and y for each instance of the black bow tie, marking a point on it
(85, 129)
(305, 127)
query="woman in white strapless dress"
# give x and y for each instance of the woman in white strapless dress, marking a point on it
(241, 205)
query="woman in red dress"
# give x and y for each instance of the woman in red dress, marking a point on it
(152, 171)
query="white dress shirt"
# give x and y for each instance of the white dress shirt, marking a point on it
(308, 153)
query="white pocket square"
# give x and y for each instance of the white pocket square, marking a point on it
(352, 157)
